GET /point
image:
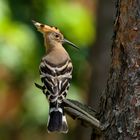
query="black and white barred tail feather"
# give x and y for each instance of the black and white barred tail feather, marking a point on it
(56, 80)
(57, 120)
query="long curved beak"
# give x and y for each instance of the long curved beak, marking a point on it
(70, 43)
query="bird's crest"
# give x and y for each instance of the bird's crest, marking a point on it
(45, 28)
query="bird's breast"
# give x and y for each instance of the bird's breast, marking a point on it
(57, 57)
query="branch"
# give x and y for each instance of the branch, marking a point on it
(83, 113)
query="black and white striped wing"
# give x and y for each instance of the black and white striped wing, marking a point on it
(56, 79)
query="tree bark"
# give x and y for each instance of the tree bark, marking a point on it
(120, 103)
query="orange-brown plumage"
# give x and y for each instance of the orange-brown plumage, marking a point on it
(45, 28)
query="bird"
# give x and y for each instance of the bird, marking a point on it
(55, 73)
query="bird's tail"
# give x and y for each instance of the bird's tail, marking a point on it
(57, 120)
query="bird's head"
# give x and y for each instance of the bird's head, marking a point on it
(51, 34)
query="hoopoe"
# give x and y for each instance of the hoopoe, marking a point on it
(55, 73)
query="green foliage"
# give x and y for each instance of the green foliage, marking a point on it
(16, 48)
(35, 103)
(74, 20)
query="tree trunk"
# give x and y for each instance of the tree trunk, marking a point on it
(120, 104)
(100, 52)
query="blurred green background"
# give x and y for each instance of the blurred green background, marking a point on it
(23, 108)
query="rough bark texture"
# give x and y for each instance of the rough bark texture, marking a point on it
(120, 104)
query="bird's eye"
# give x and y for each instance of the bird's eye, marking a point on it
(56, 35)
